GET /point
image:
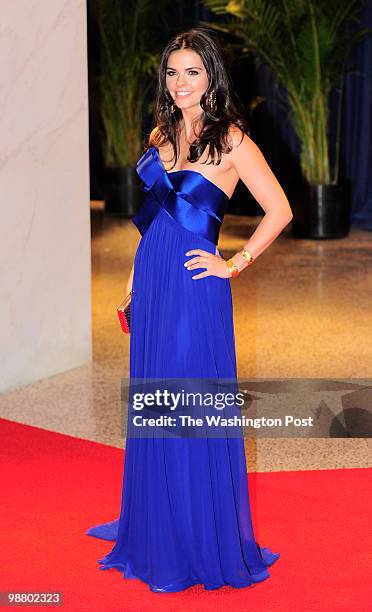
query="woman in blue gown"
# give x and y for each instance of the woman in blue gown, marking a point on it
(185, 511)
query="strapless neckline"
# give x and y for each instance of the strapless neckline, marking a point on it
(193, 172)
(194, 201)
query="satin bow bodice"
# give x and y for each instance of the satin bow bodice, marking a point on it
(190, 198)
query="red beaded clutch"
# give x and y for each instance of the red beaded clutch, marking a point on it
(123, 311)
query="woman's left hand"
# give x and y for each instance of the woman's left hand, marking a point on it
(215, 264)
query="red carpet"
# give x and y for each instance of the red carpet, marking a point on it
(54, 487)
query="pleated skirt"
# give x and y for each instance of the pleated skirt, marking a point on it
(185, 512)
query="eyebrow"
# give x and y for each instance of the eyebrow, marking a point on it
(190, 68)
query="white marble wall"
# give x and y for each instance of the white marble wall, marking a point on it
(45, 255)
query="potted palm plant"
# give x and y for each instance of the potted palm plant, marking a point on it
(127, 63)
(305, 44)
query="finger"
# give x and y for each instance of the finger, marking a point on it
(196, 266)
(201, 275)
(196, 260)
(197, 252)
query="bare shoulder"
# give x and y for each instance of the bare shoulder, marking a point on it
(240, 140)
(157, 140)
(235, 136)
(154, 135)
(154, 132)
(244, 149)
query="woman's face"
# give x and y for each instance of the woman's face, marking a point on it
(186, 78)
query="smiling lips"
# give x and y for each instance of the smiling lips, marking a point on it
(183, 94)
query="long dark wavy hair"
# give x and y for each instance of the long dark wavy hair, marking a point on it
(228, 109)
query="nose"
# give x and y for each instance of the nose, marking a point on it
(180, 79)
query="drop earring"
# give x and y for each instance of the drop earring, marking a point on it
(212, 101)
(171, 105)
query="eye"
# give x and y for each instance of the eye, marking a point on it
(171, 73)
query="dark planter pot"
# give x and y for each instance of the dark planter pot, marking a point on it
(122, 192)
(321, 211)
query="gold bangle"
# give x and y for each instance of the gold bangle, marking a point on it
(232, 267)
(247, 256)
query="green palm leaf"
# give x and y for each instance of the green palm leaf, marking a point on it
(306, 45)
(128, 61)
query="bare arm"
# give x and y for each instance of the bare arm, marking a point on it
(128, 286)
(256, 174)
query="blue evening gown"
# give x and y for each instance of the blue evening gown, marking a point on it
(185, 513)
